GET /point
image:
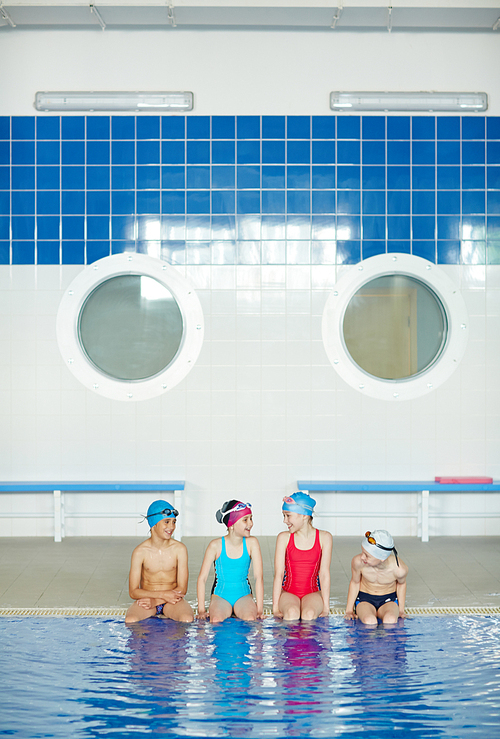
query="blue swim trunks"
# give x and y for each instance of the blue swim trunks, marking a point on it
(376, 600)
(159, 609)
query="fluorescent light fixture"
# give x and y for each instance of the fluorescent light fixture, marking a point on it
(142, 102)
(409, 101)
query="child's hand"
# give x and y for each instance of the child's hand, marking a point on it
(146, 603)
(277, 613)
(350, 615)
(202, 615)
(173, 596)
(260, 615)
(324, 612)
(403, 615)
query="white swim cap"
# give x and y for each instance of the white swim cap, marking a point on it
(379, 544)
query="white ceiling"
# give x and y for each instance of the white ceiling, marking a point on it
(478, 16)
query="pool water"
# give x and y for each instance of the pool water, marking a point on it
(83, 677)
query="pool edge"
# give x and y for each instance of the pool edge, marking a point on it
(119, 611)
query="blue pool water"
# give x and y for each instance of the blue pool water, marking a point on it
(81, 677)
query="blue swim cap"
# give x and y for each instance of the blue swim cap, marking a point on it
(299, 503)
(158, 510)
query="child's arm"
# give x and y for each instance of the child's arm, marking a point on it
(143, 597)
(326, 541)
(401, 588)
(258, 573)
(182, 576)
(353, 587)
(279, 570)
(209, 557)
(135, 590)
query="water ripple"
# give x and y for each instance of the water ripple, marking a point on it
(428, 677)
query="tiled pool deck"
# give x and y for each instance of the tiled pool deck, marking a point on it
(80, 573)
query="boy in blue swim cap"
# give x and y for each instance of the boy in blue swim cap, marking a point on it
(159, 573)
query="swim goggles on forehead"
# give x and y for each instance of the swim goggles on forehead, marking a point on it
(166, 511)
(299, 504)
(371, 540)
(237, 507)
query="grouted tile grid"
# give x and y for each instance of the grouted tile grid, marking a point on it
(249, 190)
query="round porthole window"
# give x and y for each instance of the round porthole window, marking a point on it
(130, 327)
(395, 326)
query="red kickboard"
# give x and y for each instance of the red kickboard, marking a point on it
(464, 480)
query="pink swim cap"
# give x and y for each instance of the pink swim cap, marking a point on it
(232, 511)
(242, 509)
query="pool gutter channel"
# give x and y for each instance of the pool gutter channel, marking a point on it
(120, 611)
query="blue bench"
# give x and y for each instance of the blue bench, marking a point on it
(424, 488)
(60, 489)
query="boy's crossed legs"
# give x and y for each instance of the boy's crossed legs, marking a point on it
(140, 610)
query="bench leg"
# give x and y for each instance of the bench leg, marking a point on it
(425, 515)
(58, 503)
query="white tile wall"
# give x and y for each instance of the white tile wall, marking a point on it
(261, 408)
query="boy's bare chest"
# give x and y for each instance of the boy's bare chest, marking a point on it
(377, 577)
(160, 561)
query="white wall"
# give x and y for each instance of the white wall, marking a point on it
(244, 72)
(263, 407)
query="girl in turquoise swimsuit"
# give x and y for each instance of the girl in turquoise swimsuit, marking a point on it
(231, 555)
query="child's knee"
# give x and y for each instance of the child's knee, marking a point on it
(291, 614)
(308, 614)
(369, 619)
(390, 618)
(217, 617)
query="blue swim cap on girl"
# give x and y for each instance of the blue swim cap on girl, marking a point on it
(299, 503)
(158, 510)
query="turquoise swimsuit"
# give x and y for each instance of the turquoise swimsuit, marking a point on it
(231, 575)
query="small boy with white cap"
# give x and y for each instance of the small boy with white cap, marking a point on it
(378, 582)
(159, 573)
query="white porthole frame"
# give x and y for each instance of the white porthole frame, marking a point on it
(432, 277)
(74, 355)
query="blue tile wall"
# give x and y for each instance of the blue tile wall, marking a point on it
(249, 189)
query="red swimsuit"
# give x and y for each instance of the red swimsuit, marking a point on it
(302, 568)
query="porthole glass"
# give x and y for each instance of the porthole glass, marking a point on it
(130, 327)
(394, 327)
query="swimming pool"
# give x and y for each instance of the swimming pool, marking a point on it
(86, 677)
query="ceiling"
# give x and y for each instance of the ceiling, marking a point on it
(473, 16)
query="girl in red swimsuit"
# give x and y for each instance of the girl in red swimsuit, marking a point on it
(301, 588)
